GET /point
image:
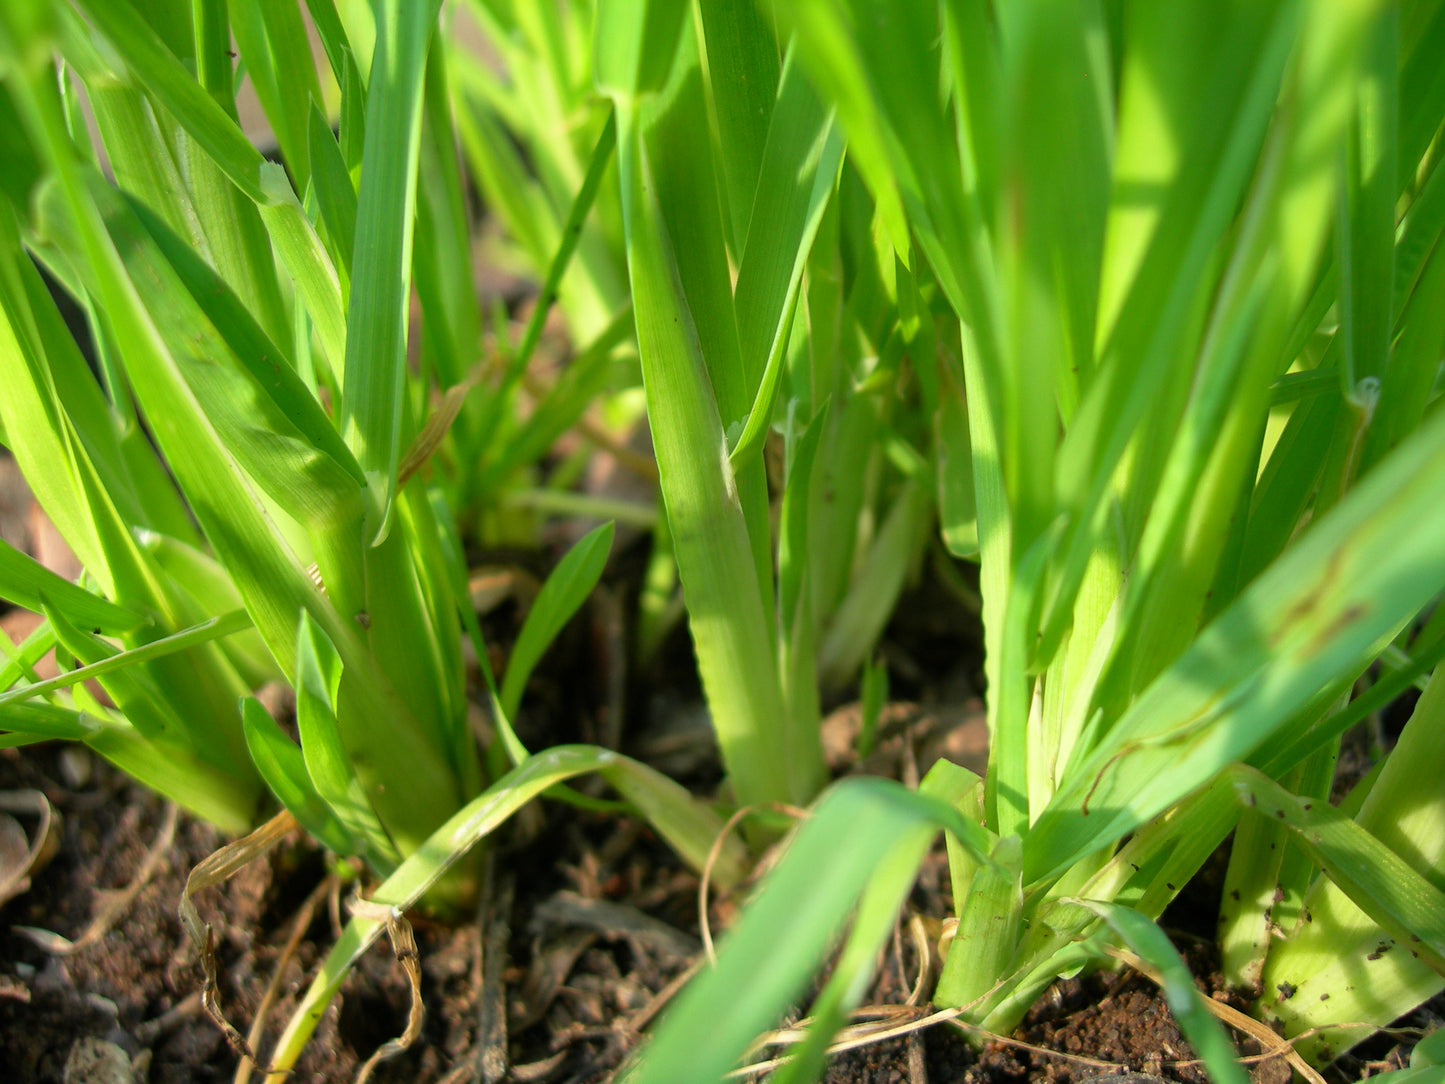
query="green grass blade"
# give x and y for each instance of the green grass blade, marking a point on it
(1323, 607)
(874, 920)
(25, 582)
(335, 194)
(328, 764)
(781, 938)
(710, 533)
(372, 404)
(265, 413)
(871, 598)
(1370, 974)
(799, 174)
(1340, 948)
(1205, 1033)
(742, 60)
(283, 767)
(203, 633)
(148, 60)
(566, 589)
(635, 45)
(989, 915)
(1367, 220)
(442, 263)
(274, 47)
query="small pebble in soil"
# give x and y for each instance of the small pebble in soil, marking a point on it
(95, 1061)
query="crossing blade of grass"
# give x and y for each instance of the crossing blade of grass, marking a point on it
(335, 193)
(27, 583)
(1345, 946)
(783, 934)
(1325, 604)
(688, 826)
(208, 630)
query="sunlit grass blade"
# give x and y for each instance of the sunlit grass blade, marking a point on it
(1327, 603)
(267, 416)
(25, 582)
(710, 534)
(69, 456)
(211, 629)
(148, 60)
(798, 172)
(769, 956)
(372, 404)
(743, 61)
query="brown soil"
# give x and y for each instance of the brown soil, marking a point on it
(602, 921)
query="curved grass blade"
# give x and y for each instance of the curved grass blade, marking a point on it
(687, 826)
(1202, 1030)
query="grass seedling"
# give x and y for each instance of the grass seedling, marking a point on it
(1142, 303)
